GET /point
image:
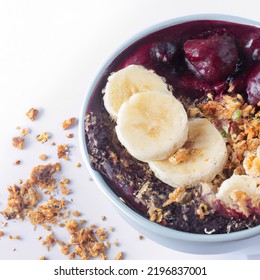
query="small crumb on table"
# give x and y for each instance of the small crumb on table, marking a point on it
(32, 114)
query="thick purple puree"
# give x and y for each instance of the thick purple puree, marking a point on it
(195, 58)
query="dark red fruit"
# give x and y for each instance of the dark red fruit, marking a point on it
(163, 53)
(253, 86)
(212, 59)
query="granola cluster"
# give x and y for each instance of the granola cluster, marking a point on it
(38, 201)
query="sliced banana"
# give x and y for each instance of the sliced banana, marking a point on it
(207, 157)
(128, 81)
(152, 125)
(236, 190)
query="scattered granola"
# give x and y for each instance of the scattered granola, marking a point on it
(15, 237)
(140, 236)
(32, 114)
(50, 212)
(102, 234)
(64, 188)
(43, 137)
(103, 218)
(42, 258)
(42, 175)
(76, 213)
(20, 200)
(78, 164)
(63, 151)
(68, 123)
(17, 162)
(1, 233)
(18, 142)
(25, 131)
(119, 256)
(43, 157)
(49, 241)
(69, 135)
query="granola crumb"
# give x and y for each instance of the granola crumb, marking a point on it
(68, 123)
(65, 249)
(42, 175)
(53, 143)
(140, 236)
(42, 258)
(40, 238)
(17, 162)
(43, 157)
(25, 131)
(18, 127)
(102, 234)
(43, 137)
(78, 164)
(32, 114)
(15, 237)
(49, 241)
(119, 256)
(1, 233)
(64, 188)
(111, 229)
(63, 151)
(103, 257)
(70, 135)
(76, 213)
(18, 142)
(103, 218)
(116, 243)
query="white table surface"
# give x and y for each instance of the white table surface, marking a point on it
(50, 52)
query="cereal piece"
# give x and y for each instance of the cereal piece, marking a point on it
(18, 142)
(25, 131)
(1, 233)
(63, 151)
(68, 123)
(42, 258)
(17, 162)
(43, 157)
(43, 137)
(69, 135)
(119, 256)
(32, 114)
(42, 175)
(78, 164)
(140, 236)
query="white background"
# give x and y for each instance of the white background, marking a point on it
(50, 52)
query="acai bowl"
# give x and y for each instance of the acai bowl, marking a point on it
(169, 132)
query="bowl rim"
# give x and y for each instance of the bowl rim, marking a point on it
(98, 179)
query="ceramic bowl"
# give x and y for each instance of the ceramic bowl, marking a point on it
(178, 240)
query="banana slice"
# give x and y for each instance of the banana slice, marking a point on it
(236, 191)
(152, 125)
(204, 158)
(128, 81)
